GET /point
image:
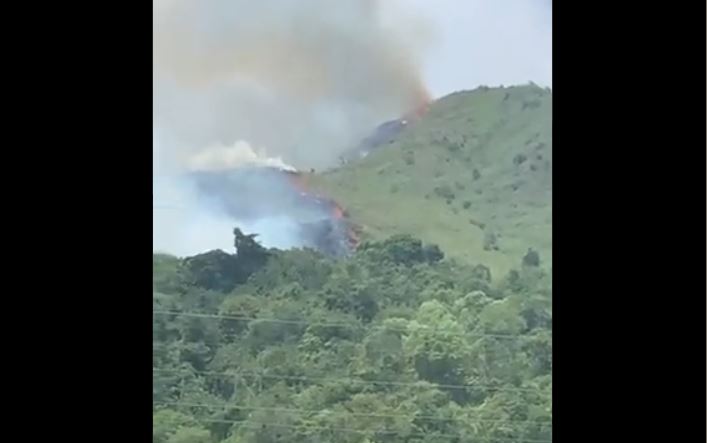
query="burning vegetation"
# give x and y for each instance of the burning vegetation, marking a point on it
(387, 132)
(333, 235)
(247, 186)
(228, 71)
(261, 193)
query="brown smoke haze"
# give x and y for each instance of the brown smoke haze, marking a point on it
(305, 79)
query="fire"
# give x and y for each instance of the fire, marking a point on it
(299, 182)
(421, 110)
(424, 100)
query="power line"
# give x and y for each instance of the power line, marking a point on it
(418, 384)
(248, 423)
(355, 414)
(329, 324)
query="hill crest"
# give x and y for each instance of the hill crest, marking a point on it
(473, 175)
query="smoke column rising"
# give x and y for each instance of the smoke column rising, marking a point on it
(305, 79)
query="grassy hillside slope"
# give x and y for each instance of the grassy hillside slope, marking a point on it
(474, 176)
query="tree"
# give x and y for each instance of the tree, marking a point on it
(166, 422)
(219, 271)
(437, 347)
(190, 435)
(251, 255)
(404, 250)
(237, 311)
(165, 274)
(214, 270)
(394, 342)
(531, 258)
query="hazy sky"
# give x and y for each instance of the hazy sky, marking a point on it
(486, 42)
(463, 44)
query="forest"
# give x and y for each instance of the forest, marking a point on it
(396, 343)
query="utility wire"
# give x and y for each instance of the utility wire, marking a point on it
(419, 384)
(355, 414)
(328, 324)
(262, 425)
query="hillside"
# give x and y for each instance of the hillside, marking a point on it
(393, 344)
(474, 176)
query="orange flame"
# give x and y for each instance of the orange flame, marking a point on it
(420, 111)
(416, 114)
(299, 182)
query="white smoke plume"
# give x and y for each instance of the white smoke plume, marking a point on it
(241, 154)
(305, 79)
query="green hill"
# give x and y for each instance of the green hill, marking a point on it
(393, 344)
(474, 176)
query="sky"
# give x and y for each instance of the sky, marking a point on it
(485, 42)
(460, 45)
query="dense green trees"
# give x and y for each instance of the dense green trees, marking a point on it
(393, 344)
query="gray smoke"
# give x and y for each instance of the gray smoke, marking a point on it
(296, 81)
(303, 78)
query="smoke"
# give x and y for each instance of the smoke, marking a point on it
(182, 223)
(188, 221)
(305, 78)
(241, 154)
(301, 80)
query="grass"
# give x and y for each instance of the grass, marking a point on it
(479, 162)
